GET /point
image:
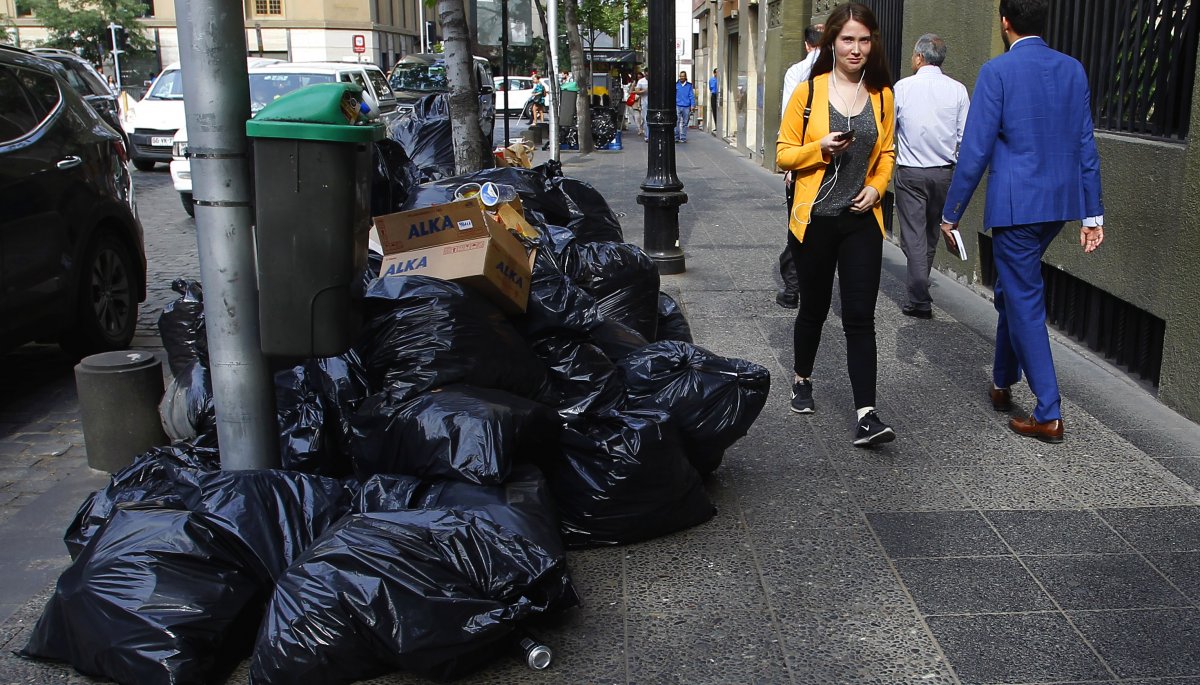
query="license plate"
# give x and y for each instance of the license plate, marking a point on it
(160, 141)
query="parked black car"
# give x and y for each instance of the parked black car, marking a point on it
(72, 260)
(90, 85)
(418, 75)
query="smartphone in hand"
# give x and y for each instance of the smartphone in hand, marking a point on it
(845, 136)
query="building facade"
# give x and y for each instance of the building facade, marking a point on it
(294, 30)
(1130, 302)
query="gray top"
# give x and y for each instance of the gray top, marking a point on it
(850, 165)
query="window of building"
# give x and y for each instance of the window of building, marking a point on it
(268, 7)
(24, 9)
(1140, 58)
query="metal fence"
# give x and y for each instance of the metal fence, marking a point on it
(890, 14)
(1140, 58)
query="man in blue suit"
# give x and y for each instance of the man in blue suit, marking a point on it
(1030, 121)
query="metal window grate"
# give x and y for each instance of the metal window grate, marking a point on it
(1125, 335)
(268, 6)
(890, 14)
(1140, 58)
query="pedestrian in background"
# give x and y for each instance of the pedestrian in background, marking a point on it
(931, 112)
(685, 104)
(643, 93)
(714, 92)
(539, 99)
(1031, 123)
(796, 74)
(842, 152)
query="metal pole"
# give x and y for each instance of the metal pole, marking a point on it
(421, 12)
(212, 41)
(112, 28)
(662, 192)
(504, 63)
(552, 20)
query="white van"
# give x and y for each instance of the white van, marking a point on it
(271, 81)
(152, 121)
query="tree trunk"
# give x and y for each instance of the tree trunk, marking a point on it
(469, 145)
(584, 107)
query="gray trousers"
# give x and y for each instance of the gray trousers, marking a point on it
(920, 197)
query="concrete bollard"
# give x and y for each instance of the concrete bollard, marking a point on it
(119, 394)
(534, 134)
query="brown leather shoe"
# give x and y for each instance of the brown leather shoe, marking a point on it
(1001, 399)
(1049, 431)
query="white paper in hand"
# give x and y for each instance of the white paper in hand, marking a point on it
(956, 248)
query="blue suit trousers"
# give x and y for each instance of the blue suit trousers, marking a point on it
(1022, 343)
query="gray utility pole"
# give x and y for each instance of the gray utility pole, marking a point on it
(555, 90)
(112, 30)
(212, 42)
(662, 191)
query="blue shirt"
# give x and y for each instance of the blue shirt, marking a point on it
(712, 85)
(685, 95)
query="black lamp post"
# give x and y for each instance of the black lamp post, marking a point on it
(662, 191)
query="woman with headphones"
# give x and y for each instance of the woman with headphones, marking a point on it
(837, 135)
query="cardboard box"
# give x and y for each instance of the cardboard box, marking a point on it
(435, 225)
(483, 255)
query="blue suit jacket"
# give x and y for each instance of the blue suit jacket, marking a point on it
(1031, 121)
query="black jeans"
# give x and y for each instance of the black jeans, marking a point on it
(787, 265)
(851, 245)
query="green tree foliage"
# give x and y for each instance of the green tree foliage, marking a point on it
(81, 26)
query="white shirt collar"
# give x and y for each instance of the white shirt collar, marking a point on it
(1014, 43)
(929, 69)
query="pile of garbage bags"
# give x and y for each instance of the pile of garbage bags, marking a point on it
(432, 478)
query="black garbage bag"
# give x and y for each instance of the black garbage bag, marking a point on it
(181, 326)
(672, 324)
(622, 478)
(585, 378)
(425, 333)
(616, 339)
(459, 432)
(187, 408)
(153, 477)
(712, 399)
(159, 597)
(277, 514)
(599, 223)
(522, 505)
(556, 305)
(624, 281)
(426, 137)
(392, 178)
(314, 401)
(433, 591)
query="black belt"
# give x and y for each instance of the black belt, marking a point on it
(944, 166)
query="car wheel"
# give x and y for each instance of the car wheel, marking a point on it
(106, 310)
(189, 204)
(143, 164)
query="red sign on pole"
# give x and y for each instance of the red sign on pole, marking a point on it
(360, 43)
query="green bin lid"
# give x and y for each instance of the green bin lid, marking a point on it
(313, 113)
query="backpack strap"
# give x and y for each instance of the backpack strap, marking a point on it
(807, 108)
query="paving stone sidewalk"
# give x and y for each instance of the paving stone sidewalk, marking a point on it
(960, 553)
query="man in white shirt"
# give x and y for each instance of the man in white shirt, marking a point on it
(800, 71)
(789, 296)
(931, 113)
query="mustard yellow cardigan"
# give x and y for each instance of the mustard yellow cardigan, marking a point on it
(806, 158)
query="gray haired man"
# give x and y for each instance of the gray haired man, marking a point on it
(931, 113)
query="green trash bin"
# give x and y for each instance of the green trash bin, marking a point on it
(312, 202)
